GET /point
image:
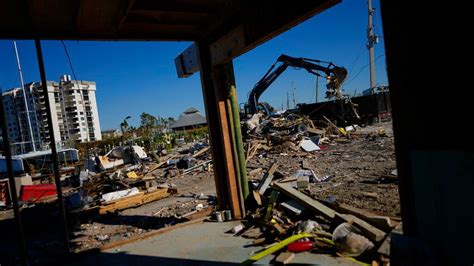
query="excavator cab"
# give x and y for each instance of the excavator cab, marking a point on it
(264, 107)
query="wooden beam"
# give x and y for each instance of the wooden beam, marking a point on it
(125, 12)
(371, 232)
(187, 62)
(261, 21)
(309, 202)
(133, 201)
(382, 222)
(267, 179)
(209, 95)
(229, 156)
(181, 6)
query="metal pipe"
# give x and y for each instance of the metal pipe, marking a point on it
(32, 137)
(12, 187)
(54, 152)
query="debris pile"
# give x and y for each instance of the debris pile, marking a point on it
(135, 180)
(322, 191)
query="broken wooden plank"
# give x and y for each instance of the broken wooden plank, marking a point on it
(384, 249)
(316, 131)
(335, 127)
(370, 231)
(252, 152)
(382, 222)
(305, 200)
(200, 152)
(284, 258)
(257, 198)
(267, 179)
(133, 201)
(280, 229)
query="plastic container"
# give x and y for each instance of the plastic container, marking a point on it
(300, 246)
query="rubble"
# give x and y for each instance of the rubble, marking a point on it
(314, 188)
(321, 190)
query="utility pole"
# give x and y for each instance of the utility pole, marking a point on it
(294, 100)
(317, 88)
(372, 39)
(287, 100)
(24, 98)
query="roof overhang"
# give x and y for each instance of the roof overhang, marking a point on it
(170, 20)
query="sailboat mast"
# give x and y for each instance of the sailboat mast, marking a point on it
(24, 98)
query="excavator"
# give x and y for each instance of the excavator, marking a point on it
(334, 75)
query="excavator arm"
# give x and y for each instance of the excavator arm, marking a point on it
(335, 76)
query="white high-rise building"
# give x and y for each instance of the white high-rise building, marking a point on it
(80, 116)
(74, 111)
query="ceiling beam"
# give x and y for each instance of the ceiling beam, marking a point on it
(261, 21)
(258, 22)
(193, 7)
(125, 13)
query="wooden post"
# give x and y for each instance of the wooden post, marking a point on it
(218, 119)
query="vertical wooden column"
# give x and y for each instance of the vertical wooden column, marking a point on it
(219, 118)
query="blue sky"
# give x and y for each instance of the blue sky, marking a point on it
(136, 77)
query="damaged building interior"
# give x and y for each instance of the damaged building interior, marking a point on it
(296, 187)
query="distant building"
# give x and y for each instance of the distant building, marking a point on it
(74, 112)
(191, 118)
(111, 133)
(80, 115)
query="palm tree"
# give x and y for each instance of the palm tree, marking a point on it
(124, 124)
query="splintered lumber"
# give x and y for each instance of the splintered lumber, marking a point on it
(384, 249)
(284, 257)
(316, 131)
(267, 179)
(252, 151)
(133, 201)
(257, 198)
(334, 126)
(382, 222)
(200, 152)
(196, 166)
(371, 232)
(305, 200)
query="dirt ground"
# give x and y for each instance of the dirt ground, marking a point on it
(359, 168)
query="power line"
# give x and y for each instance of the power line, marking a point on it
(357, 58)
(69, 59)
(78, 87)
(360, 70)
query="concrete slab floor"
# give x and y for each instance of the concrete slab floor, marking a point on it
(196, 244)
